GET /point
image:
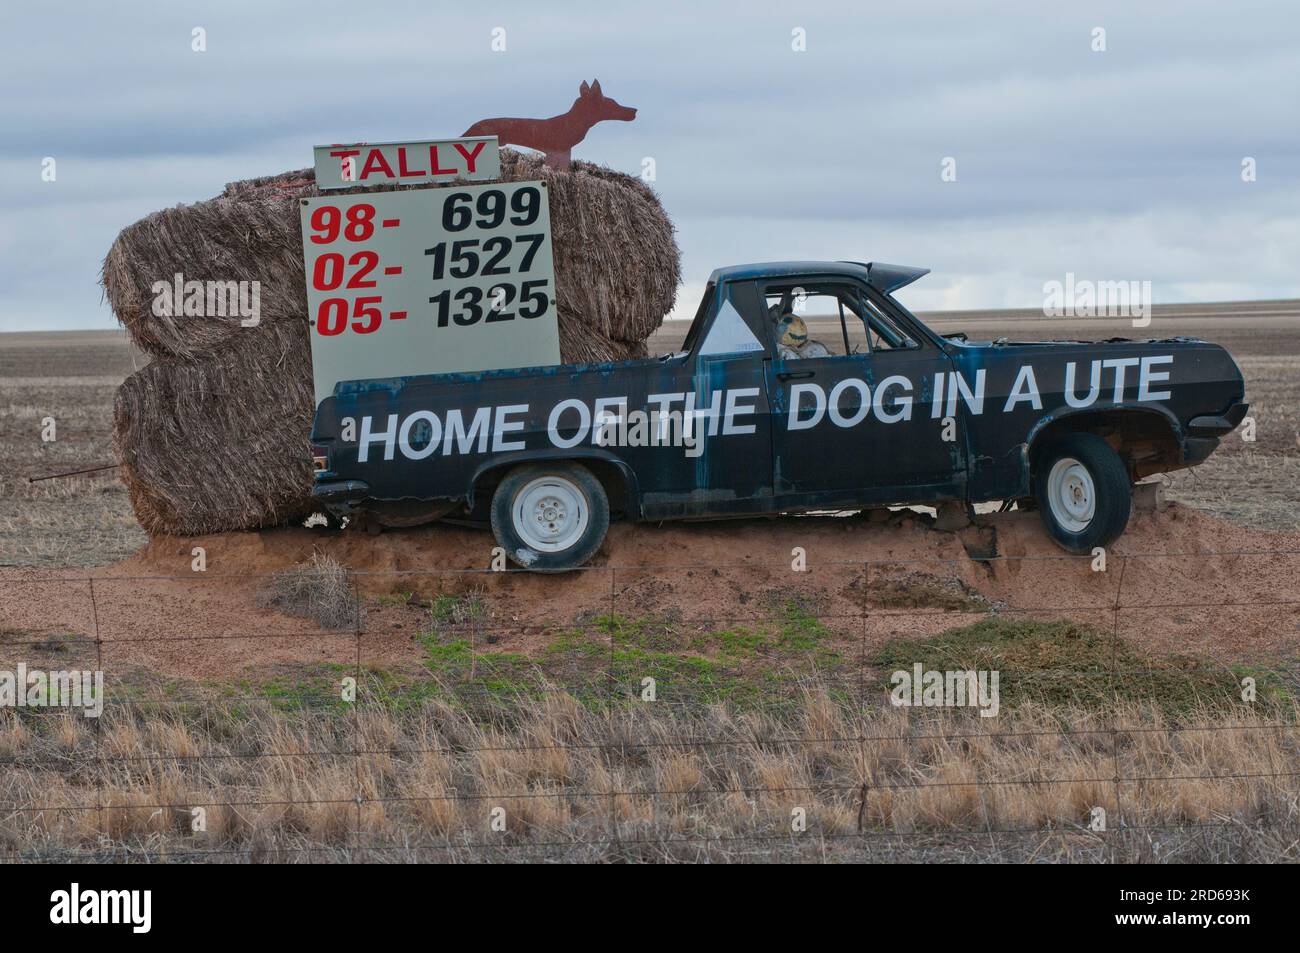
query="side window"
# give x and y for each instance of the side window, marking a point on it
(698, 324)
(810, 320)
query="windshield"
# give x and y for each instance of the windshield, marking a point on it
(883, 332)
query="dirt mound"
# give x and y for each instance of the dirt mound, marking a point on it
(1183, 582)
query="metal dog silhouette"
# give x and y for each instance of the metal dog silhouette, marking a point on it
(556, 136)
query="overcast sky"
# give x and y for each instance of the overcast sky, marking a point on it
(1117, 165)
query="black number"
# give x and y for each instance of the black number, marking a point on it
(441, 299)
(456, 215)
(439, 253)
(492, 208)
(534, 291)
(471, 297)
(534, 242)
(500, 313)
(502, 243)
(460, 251)
(527, 203)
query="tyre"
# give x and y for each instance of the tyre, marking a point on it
(550, 517)
(1083, 492)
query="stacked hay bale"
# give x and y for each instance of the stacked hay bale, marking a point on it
(212, 435)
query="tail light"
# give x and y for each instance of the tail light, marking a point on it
(320, 459)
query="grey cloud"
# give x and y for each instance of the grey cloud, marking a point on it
(1123, 163)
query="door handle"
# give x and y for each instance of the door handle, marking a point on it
(793, 375)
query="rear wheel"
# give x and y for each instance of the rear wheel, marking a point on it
(1083, 492)
(550, 517)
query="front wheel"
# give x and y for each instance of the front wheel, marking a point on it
(550, 517)
(1083, 492)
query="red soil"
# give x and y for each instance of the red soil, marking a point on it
(1186, 582)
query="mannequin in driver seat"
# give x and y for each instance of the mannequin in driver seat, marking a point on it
(792, 341)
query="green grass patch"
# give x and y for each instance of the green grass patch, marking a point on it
(1061, 663)
(793, 638)
(604, 658)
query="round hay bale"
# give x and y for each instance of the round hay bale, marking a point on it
(616, 261)
(221, 239)
(221, 443)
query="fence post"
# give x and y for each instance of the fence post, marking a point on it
(1114, 674)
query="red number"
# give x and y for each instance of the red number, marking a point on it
(325, 220)
(361, 224)
(362, 309)
(332, 317)
(368, 260)
(327, 273)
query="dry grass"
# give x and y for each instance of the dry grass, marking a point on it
(73, 521)
(567, 781)
(1248, 488)
(320, 590)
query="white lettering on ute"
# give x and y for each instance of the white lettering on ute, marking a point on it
(502, 425)
(904, 403)
(729, 425)
(455, 436)
(1024, 389)
(553, 423)
(796, 401)
(1120, 364)
(367, 438)
(664, 403)
(404, 436)
(1146, 377)
(455, 431)
(1094, 385)
(710, 413)
(838, 417)
(606, 421)
(958, 387)
(845, 414)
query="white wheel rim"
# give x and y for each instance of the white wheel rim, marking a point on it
(550, 514)
(1071, 494)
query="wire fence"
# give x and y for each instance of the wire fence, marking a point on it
(692, 683)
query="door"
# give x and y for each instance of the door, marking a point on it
(850, 393)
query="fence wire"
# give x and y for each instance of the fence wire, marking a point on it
(593, 629)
